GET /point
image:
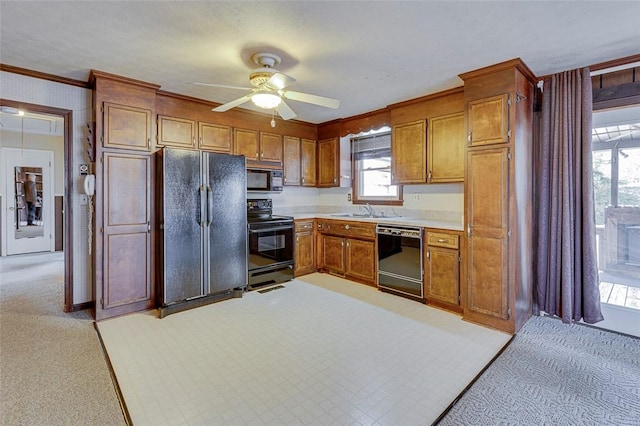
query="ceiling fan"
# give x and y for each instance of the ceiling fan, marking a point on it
(269, 89)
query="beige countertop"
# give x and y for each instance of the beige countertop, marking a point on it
(400, 220)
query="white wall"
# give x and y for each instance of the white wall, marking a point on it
(42, 92)
(435, 201)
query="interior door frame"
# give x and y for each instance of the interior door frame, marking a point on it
(67, 116)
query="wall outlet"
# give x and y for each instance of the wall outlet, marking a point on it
(349, 197)
(416, 197)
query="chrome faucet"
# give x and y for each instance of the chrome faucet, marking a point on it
(369, 209)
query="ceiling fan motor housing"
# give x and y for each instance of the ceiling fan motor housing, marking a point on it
(260, 76)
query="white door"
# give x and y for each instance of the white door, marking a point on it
(27, 227)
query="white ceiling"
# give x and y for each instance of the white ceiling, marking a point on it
(366, 54)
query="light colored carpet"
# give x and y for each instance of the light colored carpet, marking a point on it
(557, 374)
(321, 350)
(52, 370)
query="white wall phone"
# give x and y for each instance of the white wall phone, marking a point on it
(90, 184)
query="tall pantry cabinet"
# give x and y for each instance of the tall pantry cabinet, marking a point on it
(498, 194)
(122, 257)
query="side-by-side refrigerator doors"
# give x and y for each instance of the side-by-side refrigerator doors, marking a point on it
(182, 205)
(226, 245)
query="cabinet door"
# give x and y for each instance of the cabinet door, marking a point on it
(291, 161)
(488, 121)
(126, 251)
(360, 261)
(487, 204)
(176, 132)
(328, 162)
(308, 162)
(333, 253)
(271, 148)
(246, 143)
(214, 138)
(304, 253)
(126, 127)
(446, 149)
(409, 152)
(443, 275)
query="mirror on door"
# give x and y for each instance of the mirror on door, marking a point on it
(29, 202)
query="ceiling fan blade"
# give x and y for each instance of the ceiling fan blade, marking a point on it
(285, 111)
(279, 81)
(229, 105)
(311, 99)
(224, 86)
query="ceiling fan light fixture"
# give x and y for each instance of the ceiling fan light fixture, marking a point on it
(265, 99)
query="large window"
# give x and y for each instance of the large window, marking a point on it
(616, 166)
(616, 180)
(371, 155)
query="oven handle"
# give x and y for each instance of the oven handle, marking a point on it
(277, 228)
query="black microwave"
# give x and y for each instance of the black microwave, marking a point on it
(261, 180)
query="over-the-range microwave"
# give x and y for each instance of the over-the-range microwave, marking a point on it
(263, 180)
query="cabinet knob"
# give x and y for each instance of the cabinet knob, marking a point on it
(346, 227)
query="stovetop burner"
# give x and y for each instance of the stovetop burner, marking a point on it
(261, 211)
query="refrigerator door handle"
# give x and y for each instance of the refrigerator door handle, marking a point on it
(199, 208)
(209, 205)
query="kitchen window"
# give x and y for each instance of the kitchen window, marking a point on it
(371, 157)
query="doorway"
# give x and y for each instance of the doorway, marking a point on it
(616, 161)
(63, 225)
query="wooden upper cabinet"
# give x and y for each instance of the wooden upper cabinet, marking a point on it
(184, 133)
(246, 143)
(409, 152)
(126, 127)
(328, 162)
(308, 162)
(215, 138)
(176, 132)
(271, 150)
(292, 161)
(446, 149)
(488, 121)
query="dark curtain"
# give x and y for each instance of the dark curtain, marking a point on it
(566, 271)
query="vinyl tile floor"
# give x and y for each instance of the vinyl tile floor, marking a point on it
(320, 350)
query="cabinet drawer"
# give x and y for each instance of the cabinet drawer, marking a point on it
(438, 239)
(348, 229)
(304, 226)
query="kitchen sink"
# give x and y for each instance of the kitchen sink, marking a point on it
(363, 215)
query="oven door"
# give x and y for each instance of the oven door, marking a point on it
(270, 245)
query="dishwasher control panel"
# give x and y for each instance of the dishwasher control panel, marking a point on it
(400, 231)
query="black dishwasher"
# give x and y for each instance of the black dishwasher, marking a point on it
(400, 259)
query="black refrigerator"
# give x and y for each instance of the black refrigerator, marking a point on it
(204, 228)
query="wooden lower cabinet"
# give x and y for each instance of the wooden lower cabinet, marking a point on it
(333, 254)
(360, 257)
(348, 249)
(442, 264)
(304, 254)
